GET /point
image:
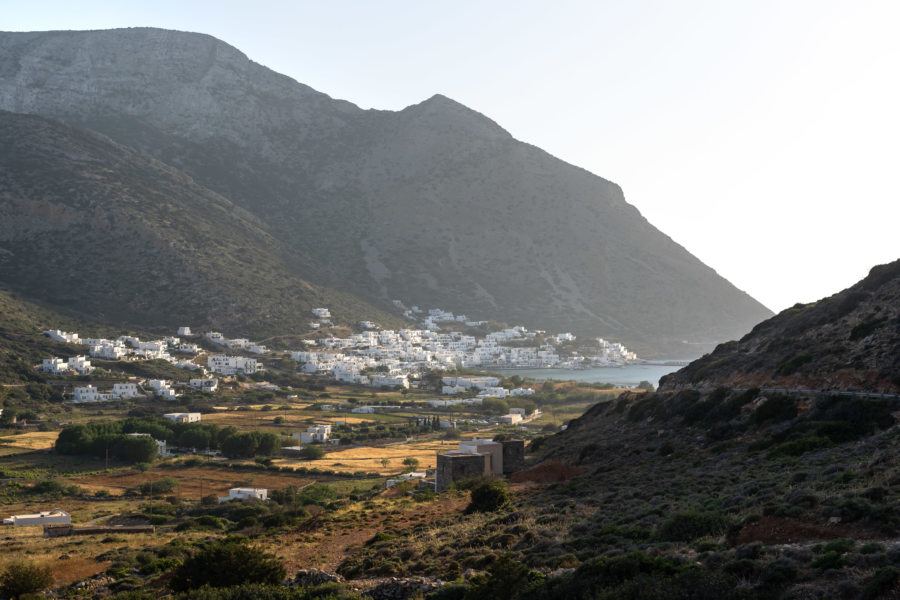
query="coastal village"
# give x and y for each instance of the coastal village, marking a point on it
(371, 357)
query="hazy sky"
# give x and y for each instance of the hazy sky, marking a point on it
(763, 136)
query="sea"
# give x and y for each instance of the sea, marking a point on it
(625, 376)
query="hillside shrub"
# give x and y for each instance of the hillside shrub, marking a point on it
(884, 580)
(688, 526)
(254, 591)
(505, 580)
(489, 496)
(21, 578)
(801, 446)
(226, 563)
(775, 409)
(791, 365)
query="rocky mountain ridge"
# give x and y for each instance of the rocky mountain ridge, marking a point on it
(435, 204)
(848, 341)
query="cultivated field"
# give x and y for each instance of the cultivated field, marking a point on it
(193, 482)
(369, 458)
(27, 442)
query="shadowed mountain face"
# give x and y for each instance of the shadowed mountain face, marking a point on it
(106, 232)
(435, 204)
(849, 341)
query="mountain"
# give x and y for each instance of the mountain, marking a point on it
(114, 236)
(849, 341)
(435, 204)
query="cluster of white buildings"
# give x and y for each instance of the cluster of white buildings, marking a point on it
(324, 318)
(57, 366)
(124, 347)
(388, 358)
(120, 391)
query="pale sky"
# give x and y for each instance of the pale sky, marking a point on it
(762, 135)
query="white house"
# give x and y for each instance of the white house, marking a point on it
(511, 419)
(363, 410)
(232, 365)
(57, 366)
(472, 382)
(62, 336)
(162, 388)
(390, 381)
(183, 417)
(189, 348)
(316, 433)
(57, 516)
(493, 392)
(80, 365)
(124, 390)
(109, 351)
(206, 385)
(321, 313)
(245, 494)
(184, 331)
(86, 394)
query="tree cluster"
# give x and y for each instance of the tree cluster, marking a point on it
(96, 439)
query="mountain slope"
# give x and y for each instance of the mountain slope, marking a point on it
(849, 341)
(102, 230)
(435, 204)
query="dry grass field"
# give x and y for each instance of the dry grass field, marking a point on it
(72, 559)
(27, 442)
(368, 458)
(193, 482)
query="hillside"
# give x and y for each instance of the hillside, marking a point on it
(103, 232)
(436, 204)
(848, 341)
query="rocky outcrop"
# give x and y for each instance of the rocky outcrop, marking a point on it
(399, 588)
(849, 341)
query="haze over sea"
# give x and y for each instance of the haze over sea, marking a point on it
(627, 376)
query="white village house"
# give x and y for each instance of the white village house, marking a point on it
(183, 417)
(245, 494)
(57, 516)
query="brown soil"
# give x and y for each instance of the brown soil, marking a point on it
(547, 471)
(780, 530)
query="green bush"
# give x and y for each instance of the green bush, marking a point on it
(21, 578)
(829, 560)
(775, 409)
(884, 580)
(226, 563)
(801, 446)
(505, 580)
(688, 526)
(160, 487)
(489, 496)
(253, 591)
